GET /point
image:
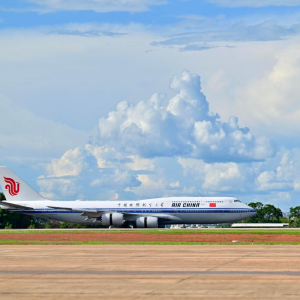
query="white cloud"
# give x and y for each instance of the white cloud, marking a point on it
(218, 177)
(69, 68)
(175, 184)
(55, 56)
(272, 99)
(106, 157)
(87, 158)
(182, 126)
(253, 3)
(124, 160)
(205, 38)
(150, 187)
(45, 6)
(137, 163)
(86, 33)
(283, 175)
(23, 134)
(276, 180)
(55, 64)
(117, 180)
(58, 187)
(84, 170)
(70, 164)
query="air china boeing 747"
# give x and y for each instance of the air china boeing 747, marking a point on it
(150, 213)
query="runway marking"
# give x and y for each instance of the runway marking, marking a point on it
(235, 259)
(188, 273)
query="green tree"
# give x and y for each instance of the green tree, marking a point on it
(2, 197)
(295, 212)
(14, 220)
(265, 213)
(258, 218)
(294, 216)
(272, 214)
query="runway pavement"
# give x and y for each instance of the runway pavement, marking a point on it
(149, 272)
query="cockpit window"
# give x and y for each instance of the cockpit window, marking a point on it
(237, 201)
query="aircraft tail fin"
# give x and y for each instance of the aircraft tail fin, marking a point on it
(15, 189)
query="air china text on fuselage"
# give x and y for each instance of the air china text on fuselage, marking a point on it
(149, 213)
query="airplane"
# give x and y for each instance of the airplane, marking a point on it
(149, 213)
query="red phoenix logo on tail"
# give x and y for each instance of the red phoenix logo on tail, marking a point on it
(12, 186)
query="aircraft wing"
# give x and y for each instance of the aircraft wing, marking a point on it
(90, 213)
(12, 205)
(94, 213)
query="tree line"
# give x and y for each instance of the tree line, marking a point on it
(266, 213)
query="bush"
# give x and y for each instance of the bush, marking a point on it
(31, 226)
(8, 226)
(64, 225)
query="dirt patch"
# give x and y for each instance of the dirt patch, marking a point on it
(132, 236)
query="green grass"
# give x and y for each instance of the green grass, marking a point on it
(154, 231)
(17, 242)
(146, 232)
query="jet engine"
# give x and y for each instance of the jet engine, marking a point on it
(115, 219)
(147, 222)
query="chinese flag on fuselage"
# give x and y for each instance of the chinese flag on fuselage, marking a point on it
(212, 204)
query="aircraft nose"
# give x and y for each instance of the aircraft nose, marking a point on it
(252, 212)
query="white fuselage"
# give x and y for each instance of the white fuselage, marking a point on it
(174, 210)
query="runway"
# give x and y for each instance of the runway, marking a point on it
(149, 272)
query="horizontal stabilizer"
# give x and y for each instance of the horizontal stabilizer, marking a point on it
(15, 206)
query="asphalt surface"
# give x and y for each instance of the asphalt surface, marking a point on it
(149, 272)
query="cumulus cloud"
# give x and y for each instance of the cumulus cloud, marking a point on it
(173, 147)
(276, 180)
(45, 6)
(117, 180)
(218, 177)
(66, 188)
(273, 98)
(82, 170)
(181, 126)
(175, 184)
(284, 175)
(250, 3)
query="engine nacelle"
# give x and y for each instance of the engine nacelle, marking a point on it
(147, 222)
(115, 219)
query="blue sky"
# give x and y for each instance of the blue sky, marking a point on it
(147, 98)
(20, 13)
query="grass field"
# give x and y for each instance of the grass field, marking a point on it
(28, 242)
(151, 237)
(155, 231)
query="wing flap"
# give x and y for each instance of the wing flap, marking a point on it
(75, 209)
(89, 213)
